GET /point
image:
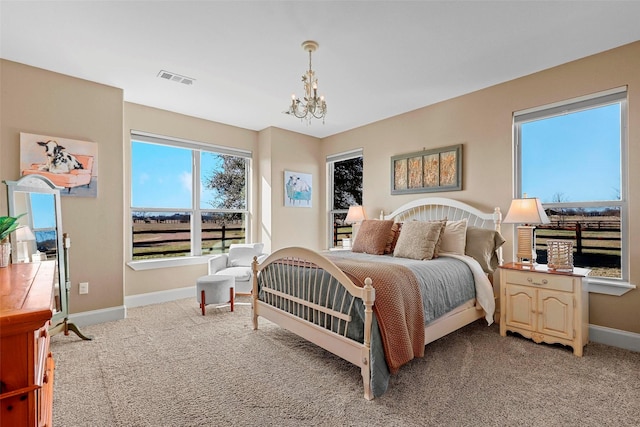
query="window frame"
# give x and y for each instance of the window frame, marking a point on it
(331, 212)
(195, 211)
(610, 286)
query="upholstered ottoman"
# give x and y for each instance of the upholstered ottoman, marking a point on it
(215, 289)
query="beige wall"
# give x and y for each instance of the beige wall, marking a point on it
(482, 122)
(41, 102)
(290, 226)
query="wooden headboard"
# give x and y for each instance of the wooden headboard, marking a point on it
(435, 208)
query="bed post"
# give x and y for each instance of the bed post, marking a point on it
(368, 297)
(254, 293)
(497, 223)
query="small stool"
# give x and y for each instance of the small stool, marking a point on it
(215, 289)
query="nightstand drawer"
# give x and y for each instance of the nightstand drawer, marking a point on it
(545, 281)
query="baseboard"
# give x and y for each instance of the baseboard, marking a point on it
(614, 337)
(94, 317)
(111, 314)
(599, 334)
(159, 297)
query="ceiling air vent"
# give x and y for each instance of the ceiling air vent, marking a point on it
(167, 75)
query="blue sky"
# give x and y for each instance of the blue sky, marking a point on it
(44, 210)
(162, 176)
(576, 155)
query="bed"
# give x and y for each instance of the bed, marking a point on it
(378, 305)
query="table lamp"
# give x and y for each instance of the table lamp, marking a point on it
(355, 216)
(23, 236)
(527, 212)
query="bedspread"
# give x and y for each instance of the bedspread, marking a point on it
(398, 307)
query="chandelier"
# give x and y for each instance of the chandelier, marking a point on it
(313, 105)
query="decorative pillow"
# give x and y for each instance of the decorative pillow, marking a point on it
(372, 236)
(437, 250)
(241, 254)
(482, 244)
(454, 238)
(418, 240)
(393, 238)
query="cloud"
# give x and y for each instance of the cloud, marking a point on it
(185, 180)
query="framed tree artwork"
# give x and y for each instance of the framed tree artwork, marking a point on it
(427, 171)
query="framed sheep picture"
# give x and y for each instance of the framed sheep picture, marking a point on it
(298, 189)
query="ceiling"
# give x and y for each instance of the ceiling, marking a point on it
(376, 59)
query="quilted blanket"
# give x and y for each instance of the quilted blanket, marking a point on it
(398, 307)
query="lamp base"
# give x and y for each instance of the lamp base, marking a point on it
(23, 251)
(526, 254)
(526, 264)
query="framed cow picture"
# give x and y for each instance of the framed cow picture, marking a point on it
(68, 163)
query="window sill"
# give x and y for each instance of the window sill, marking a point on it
(608, 286)
(152, 264)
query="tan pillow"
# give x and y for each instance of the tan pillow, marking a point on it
(437, 250)
(372, 236)
(482, 244)
(418, 240)
(393, 238)
(454, 238)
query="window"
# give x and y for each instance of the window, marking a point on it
(345, 189)
(572, 157)
(168, 218)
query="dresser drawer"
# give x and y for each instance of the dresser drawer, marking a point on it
(540, 280)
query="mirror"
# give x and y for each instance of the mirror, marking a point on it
(40, 239)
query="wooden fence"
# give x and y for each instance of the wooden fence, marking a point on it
(176, 245)
(341, 231)
(586, 235)
(595, 243)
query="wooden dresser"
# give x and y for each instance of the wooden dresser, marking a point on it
(26, 364)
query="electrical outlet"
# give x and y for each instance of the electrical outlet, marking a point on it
(84, 288)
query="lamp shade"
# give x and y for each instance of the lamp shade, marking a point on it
(355, 214)
(24, 233)
(526, 211)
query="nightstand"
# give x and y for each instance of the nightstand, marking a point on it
(545, 305)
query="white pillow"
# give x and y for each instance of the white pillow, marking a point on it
(454, 238)
(241, 254)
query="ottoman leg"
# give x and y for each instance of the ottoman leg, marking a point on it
(202, 301)
(231, 297)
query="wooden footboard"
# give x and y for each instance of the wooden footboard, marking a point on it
(290, 295)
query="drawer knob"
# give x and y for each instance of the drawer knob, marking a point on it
(544, 281)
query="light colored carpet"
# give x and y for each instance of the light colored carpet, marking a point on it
(167, 365)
